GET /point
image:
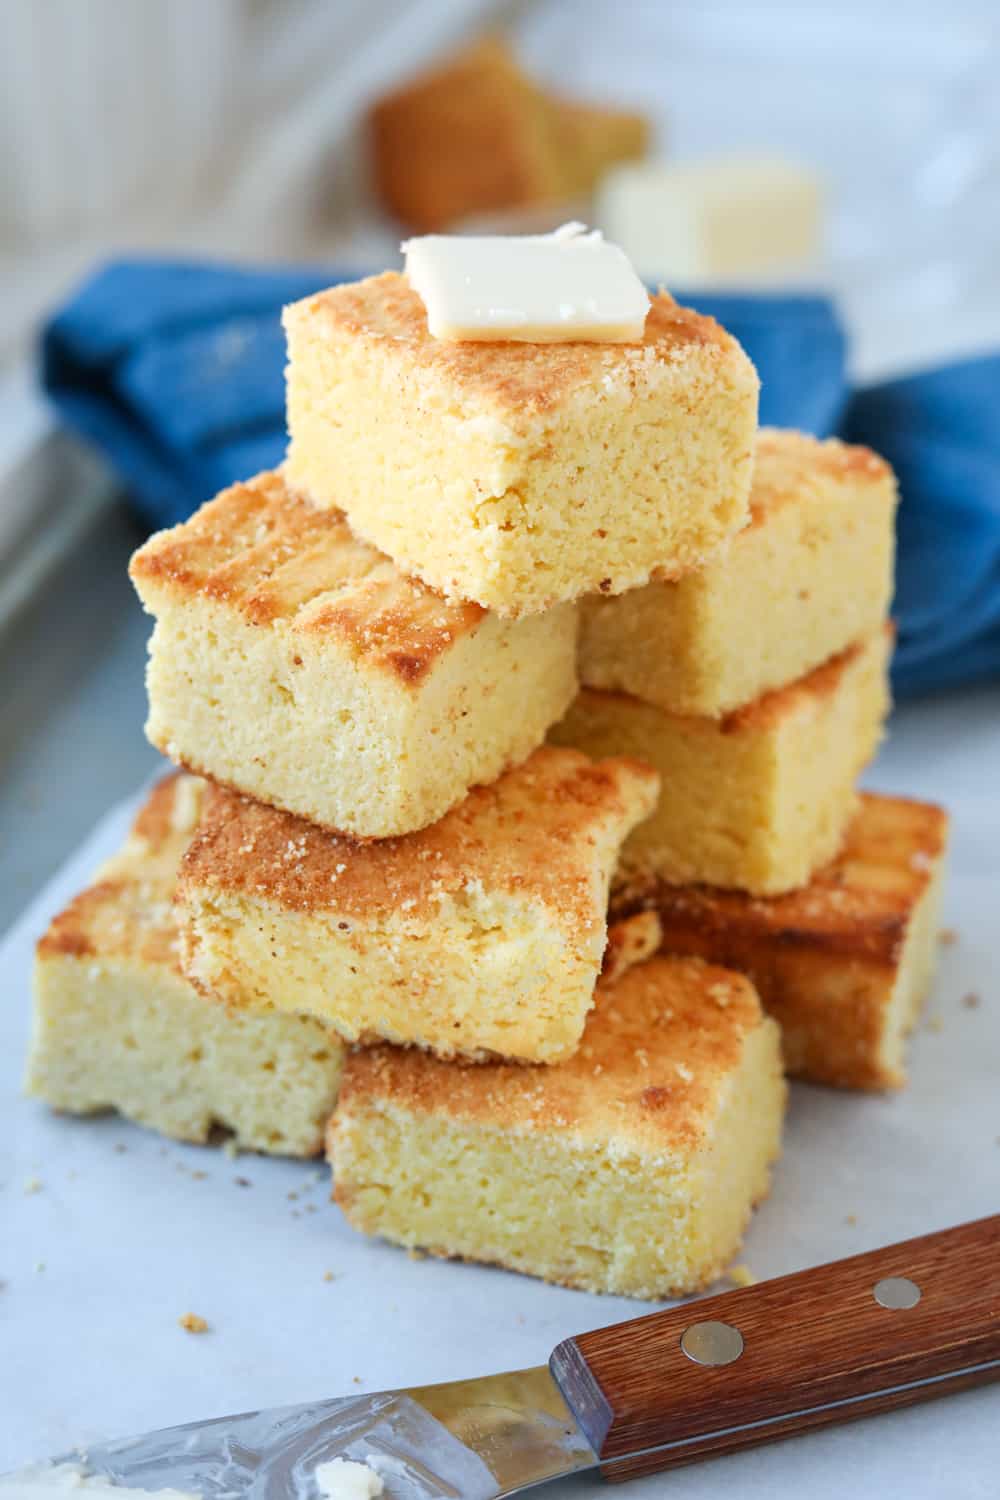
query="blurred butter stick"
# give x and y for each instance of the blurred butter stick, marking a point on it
(728, 221)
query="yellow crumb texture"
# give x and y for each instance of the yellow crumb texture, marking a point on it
(758, 800)
(118, 1026)
(601, 1173)
(521, 474)
(811, 574)
(481, 934)
(295, 663)
(845, 963)
(193, 1323)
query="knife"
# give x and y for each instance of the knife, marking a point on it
(850, 1339)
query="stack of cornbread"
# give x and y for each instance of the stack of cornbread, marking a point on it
(374, 902)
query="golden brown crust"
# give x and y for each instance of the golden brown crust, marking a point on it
(827, 960)
(127, 912)
(858, 907)
(269, 555)
(517, 379)
(660, 1043)
(789, 464)
(527, 834)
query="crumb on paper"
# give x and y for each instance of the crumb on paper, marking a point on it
(199, 1175)
(193, 1323)
(242, 1182)
(851, 1219)
(971, 1000)
(39, 1265)
(32, 1185)
(292, 1196)
(120, 1147)
(741, 1276)
(947, 937)
(329, 1276)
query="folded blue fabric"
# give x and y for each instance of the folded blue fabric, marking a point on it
(175, 371)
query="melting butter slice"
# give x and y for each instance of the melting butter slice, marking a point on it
(532, 288)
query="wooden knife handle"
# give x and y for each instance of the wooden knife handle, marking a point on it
(818, 1347)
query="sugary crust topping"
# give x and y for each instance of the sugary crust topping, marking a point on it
(790, 465)
(859, 906)
(660, 1044)
(386, 314)
(275, 560)
(533, 833)
(128, 911)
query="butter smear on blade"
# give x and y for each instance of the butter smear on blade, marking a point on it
(533, 288)
(61, 1481)
(340, 1479)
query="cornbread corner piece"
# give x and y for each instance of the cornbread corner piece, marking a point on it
(471, 136)
(810, 574)
(631, 1168)
(475, 135)
(118, 1027)
(845, 964)
(520, 475)
(295, 663)
(483, 934)
(757, 800)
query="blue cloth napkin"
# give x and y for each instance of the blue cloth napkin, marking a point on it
(175, 371)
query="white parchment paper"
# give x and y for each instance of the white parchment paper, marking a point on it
(124, 1232)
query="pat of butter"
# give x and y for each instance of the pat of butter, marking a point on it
(532, 288)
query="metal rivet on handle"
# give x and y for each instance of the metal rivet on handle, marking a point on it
(712, 1343)
(896, 1292)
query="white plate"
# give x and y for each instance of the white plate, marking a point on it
(129, 1239)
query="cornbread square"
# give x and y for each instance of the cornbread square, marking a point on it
(117, 1026)
(843, 964)
(630, 1168)
(475, 135)
(482, 934)
(293, 662)
(810, 574)
(519, 475)
(757, 800)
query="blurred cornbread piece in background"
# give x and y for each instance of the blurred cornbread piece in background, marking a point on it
(757, 800)
(706, 222)
(475, 135)
(481, 934)
(631, 1168)
(295, 663)
(521, 474)
(810, 574)
(843, 964)
(117, 1026)
(593, 139)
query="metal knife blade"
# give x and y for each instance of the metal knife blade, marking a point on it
(476, 1439)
